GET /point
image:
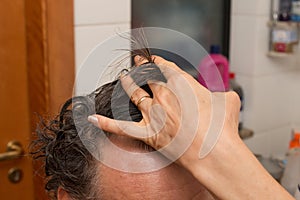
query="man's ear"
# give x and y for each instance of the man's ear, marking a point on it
(62, 194)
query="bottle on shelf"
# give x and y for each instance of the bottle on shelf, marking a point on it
(283, 37)
(285, 7)
(295, 11)
(275, 10)
(291, 176)
(214, 71)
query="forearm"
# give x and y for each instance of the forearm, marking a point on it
(232, 172)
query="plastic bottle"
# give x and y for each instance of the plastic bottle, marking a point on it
(239, 90)
(285, 7)
(275, 10)
(214, 71)
(295, 11)
(291, 176)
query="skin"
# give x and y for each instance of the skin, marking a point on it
(230, 170)
(161, 184)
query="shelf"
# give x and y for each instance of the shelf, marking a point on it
(284, 25)
(278, 54)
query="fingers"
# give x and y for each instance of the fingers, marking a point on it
(160, 61)
(138, 60)
(137, 95)
(106, 124)
(154, 85)
(168, 68)
(136, 130)
(113, 126)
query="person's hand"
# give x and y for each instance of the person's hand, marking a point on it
(186, 121)
(183, 119)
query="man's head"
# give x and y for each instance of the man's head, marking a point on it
(74, 173)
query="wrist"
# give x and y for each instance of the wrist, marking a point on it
(231, 171)
(222, 156)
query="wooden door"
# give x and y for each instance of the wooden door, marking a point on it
(14, 110)
(36, 76)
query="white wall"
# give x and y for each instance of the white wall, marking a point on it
(96, 21)
(271, 84)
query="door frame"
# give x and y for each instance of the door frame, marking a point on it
(50, 64)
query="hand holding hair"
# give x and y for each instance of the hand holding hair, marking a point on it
(183, 112)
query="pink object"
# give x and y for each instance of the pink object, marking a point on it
(214, 71)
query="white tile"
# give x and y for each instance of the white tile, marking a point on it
(245, 6)
(259, 144)
(297, 53)
(233, 41)
(253, 7)
(101, 11)
(243, 44)
(294, 78)
(234, 6)
(279, 141)
(272, 143)
(263, 7)
(101, 66)
(247, 83)
(265, 65)
(272, 103)
(88, 37)
(267, 102)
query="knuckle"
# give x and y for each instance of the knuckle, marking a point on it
(172, 64)
(137, 94)
(233, 98)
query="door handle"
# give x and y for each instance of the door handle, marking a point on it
(14, 150)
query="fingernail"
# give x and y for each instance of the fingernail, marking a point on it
(93, 120)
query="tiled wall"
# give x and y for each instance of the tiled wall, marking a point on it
(271, 85)
(97, 20)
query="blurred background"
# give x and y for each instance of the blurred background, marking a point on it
(44, 42)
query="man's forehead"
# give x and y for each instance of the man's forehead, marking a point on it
(130, 144)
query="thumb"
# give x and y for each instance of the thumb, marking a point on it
(123, 128)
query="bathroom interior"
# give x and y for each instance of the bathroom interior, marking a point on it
(258, 38)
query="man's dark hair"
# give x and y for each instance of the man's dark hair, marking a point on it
(67, 162)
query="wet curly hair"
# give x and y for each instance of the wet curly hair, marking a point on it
(61, 142)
